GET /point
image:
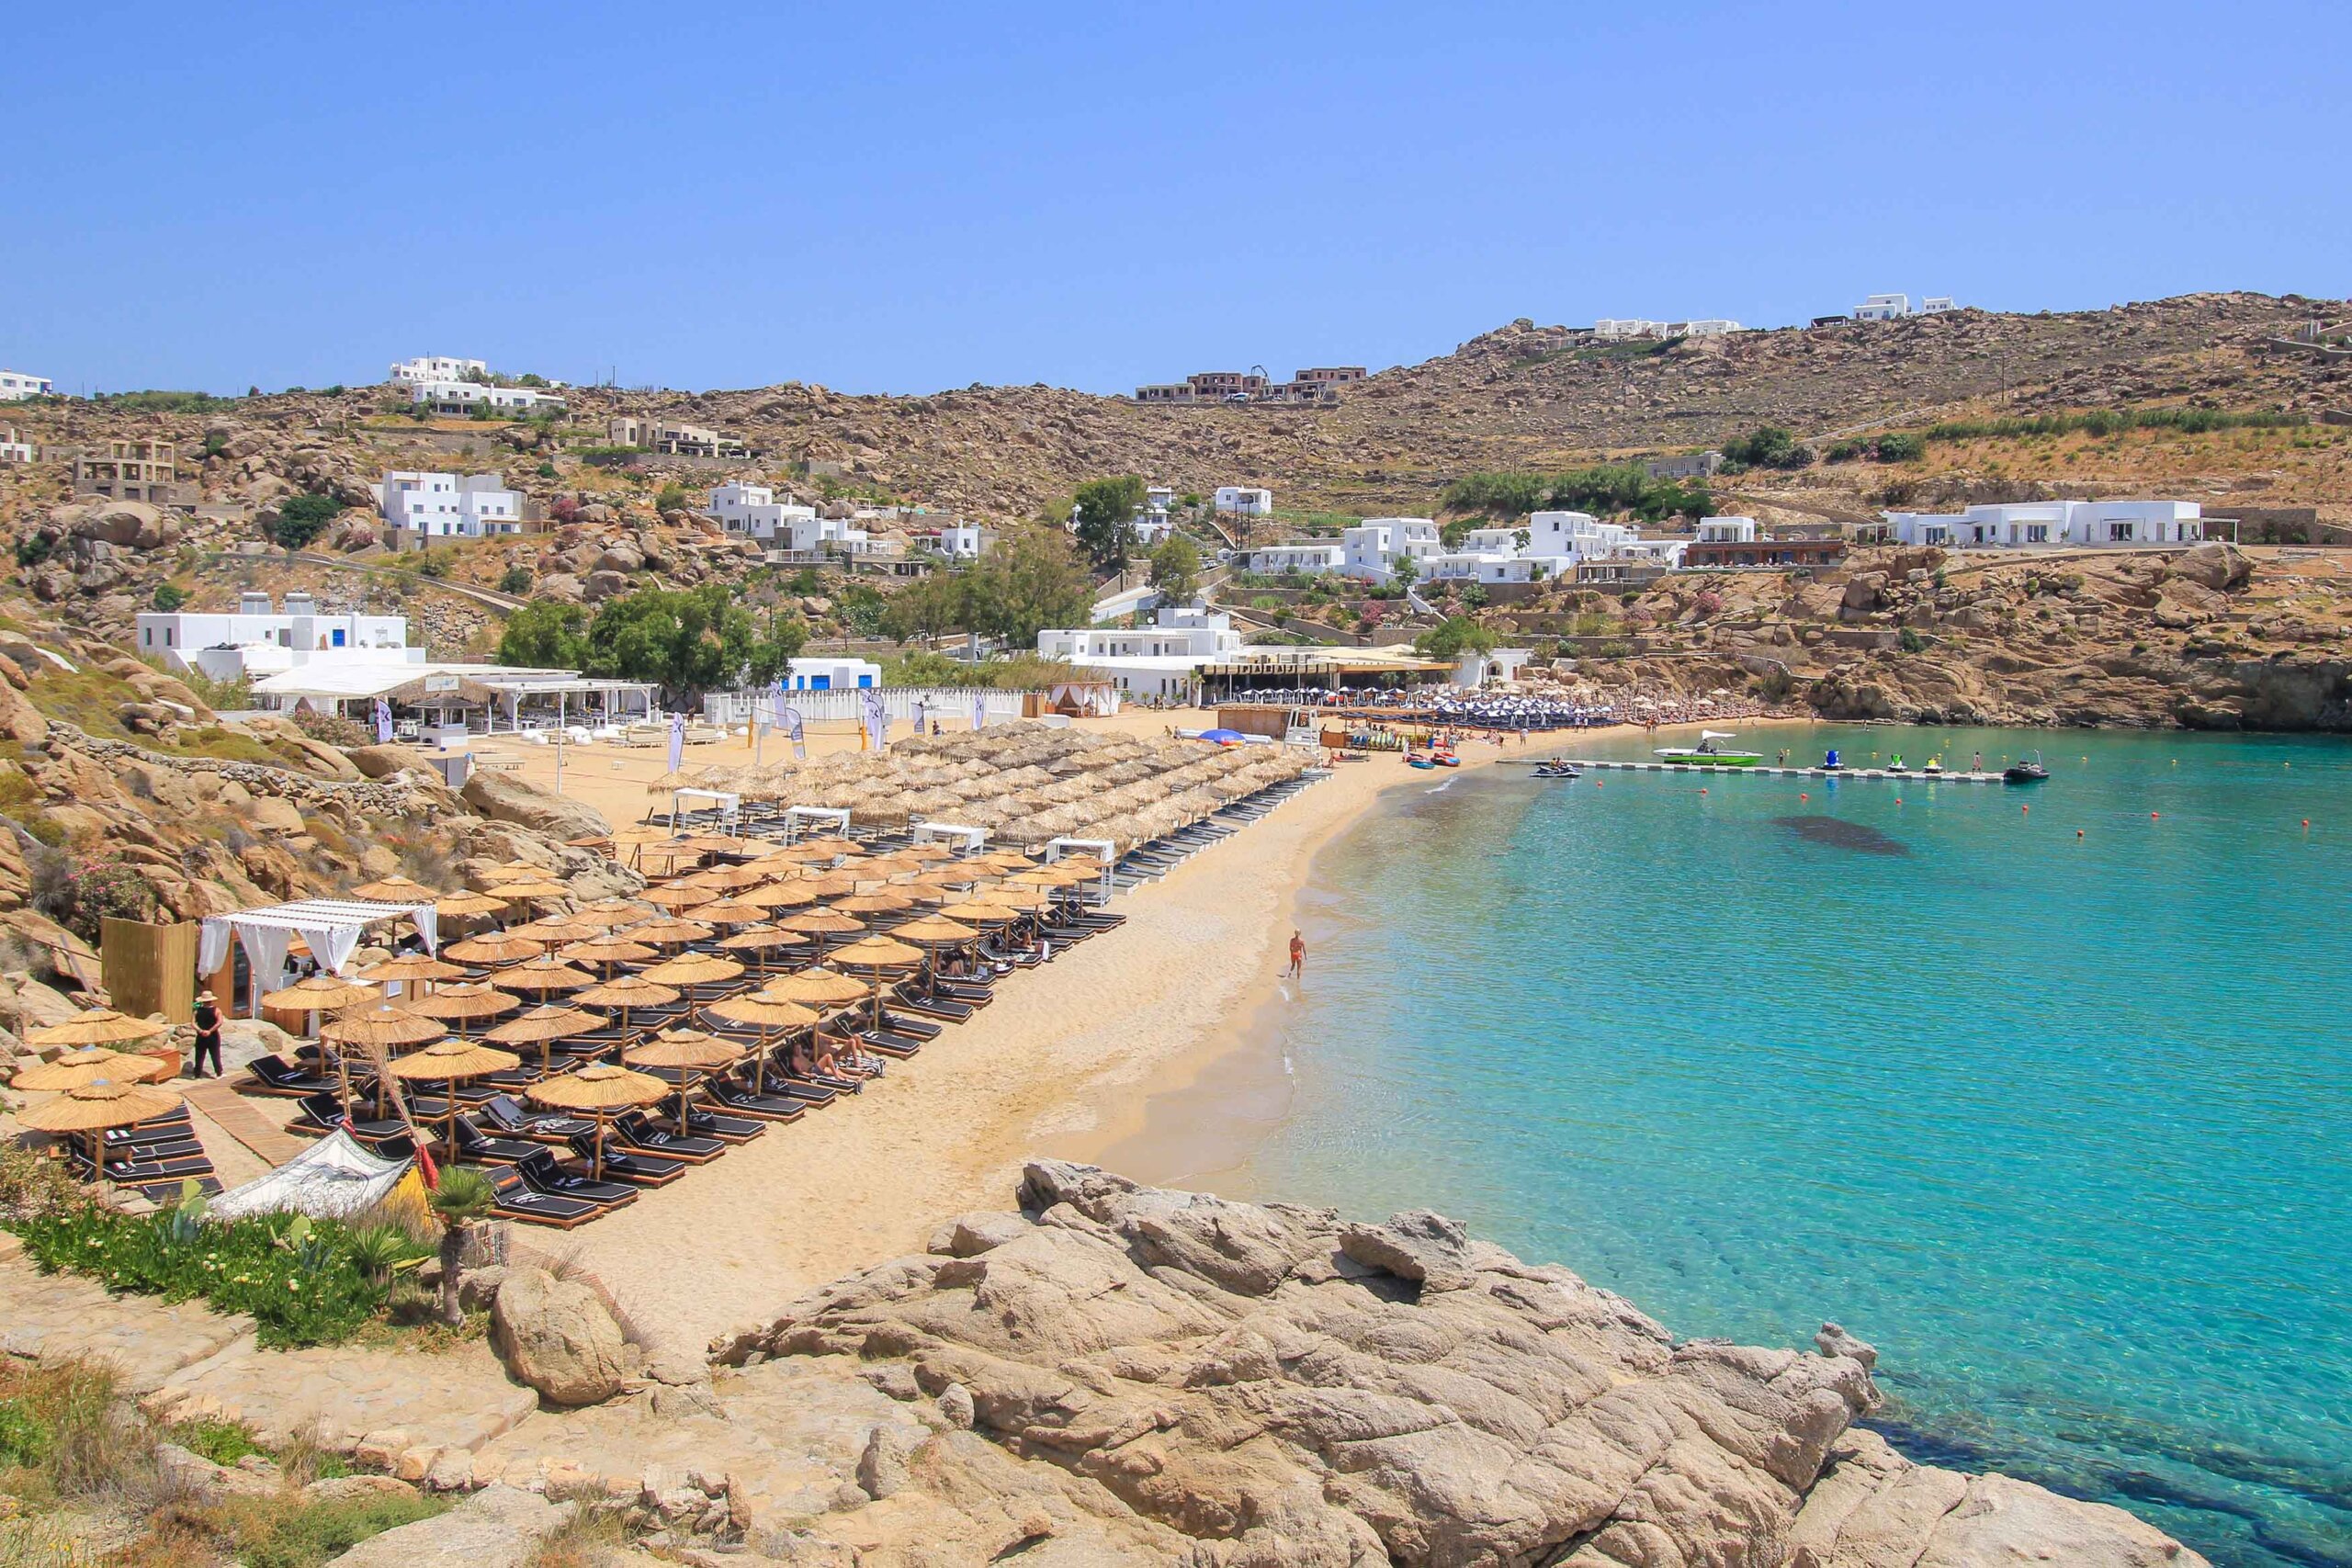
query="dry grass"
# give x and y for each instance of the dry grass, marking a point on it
(592, 1537)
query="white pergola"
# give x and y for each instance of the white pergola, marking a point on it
(730, 805)
(1103, 850)
(331, 928)
(967, 840)
(796, 818)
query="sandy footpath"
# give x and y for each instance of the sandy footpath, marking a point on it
(871, 1176)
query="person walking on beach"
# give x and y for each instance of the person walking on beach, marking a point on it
(208, 1033)
(1297, 956)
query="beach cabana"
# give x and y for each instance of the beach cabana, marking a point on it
(331, 928)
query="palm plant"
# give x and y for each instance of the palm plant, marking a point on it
(463, 1197)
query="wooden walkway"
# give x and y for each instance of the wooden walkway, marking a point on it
(1907, 775)
(230, 1113)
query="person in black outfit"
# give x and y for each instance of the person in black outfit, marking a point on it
(208, 1033)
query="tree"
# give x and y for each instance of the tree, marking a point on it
(1769, 446)
(463, 1197)
(302, 518)
(1176, 570)
(671, 497)
(1405, 570)
(1453, 637)
(169, 597)
(688, 641)
(544, 634)
(926, 608)
(1030, 581)
(515, 580)
(1104, 513)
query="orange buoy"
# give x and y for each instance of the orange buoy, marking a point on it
(1898, 800)
(2154, 815)
(2078, 833)
(1802, 796)
(2025, 810)
(2307, 821)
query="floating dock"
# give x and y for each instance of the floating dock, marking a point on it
(1906, 775)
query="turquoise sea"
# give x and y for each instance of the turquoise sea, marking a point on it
(2058, 1123)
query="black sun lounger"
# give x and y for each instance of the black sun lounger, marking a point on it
(636, 1130)
(514, 1201)
(624, 1164)
(277, 1077)
(506, 1114)
(475, 1146)
(739, 1100)
(541, 1172)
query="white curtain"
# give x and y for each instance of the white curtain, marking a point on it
(212, 946)
(266, 953)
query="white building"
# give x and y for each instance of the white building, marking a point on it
(752, 512)
(1158, 498)
(1549, 549)
(830, 674)
(1151, 527)
(1726, 531)
(1159, 661)
(2049, 525)
(1633, 326)
(14, 451)
(1711, 327)
(16, 386)
(465, 396)
(1308, 557)
(449, 506)
(963, 541)
(1371, 548)
(1894, 307)
(257, 639)
(436, 367)
(1243, 502)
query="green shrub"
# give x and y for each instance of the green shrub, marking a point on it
(1768, 447)
(297, 1279)
(302, 518)
(169, 597)
(222, 1442)
(1911, 641)
(1901, 446)
(2113, 421)
(24, 1441)
(288, 1531)
(33, 549)
(516, 580)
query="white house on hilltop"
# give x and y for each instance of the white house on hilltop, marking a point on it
(449, 506)
(1241, 500)
(2048, 524)
(436, 367)
(1894, 307)
(1373, 546)
(753, 512)
(466, 396)
(16, 386)
(1309, 557)
(1549, 549)
(257, 639)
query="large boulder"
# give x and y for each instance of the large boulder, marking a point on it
(383, 761)
(2219, 566)
(502, 797)
(498, 1527)
(133, 524)
(559, 1336)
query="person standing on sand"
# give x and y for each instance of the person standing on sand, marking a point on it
(208, 1035)
(1297, 956)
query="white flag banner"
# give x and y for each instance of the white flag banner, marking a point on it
(383, 722)
(788, 720)
(878, 722)
(979, 711)
(677, 742)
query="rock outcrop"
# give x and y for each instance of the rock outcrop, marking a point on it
(1244, 1385)
(504, 800)
(498, 1527)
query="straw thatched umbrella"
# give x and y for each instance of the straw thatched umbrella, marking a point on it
(765, 1014)
(673, 897)
(875, 954)
(501, 947)
(411, 969)
(761, 941)
(690, 1051)
(795, 895)
(395, 890)
(670, 932)
(458, 906)
(604, 916)
(933, 930)
(599, 1091)
(318, 994)
(693, 969)
(94, 1107)
(555, 930)
(543, 1026)
(628, 991)
(728, 912)
(979, 911)
(99, 1026)
(817, 987)
(822, 922)
(462, 1005)
(606, 951)
(531, 887)
(513, 871)
(884, 901)
(832, 883)
(543, 976)
(928, 849)
(91, 1064)
(447, 1061)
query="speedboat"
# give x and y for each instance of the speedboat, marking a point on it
(1707, 754)
(1557, 770)
(2023, 772)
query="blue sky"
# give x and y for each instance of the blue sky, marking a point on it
(905, 197)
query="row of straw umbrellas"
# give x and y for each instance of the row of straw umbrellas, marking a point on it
(768, 898)
(95, 1088)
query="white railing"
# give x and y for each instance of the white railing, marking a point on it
(951, 705)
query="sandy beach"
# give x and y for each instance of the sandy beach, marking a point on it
(1060, 1064)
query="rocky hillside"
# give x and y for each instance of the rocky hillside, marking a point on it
(2211, 638)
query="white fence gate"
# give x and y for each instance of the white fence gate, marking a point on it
(951, 705)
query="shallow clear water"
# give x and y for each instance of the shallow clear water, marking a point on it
(2059, 1123)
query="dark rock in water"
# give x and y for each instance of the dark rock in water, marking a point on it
(1840, 834)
